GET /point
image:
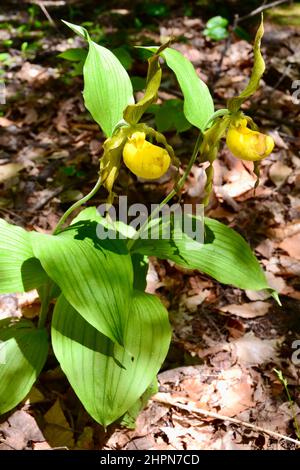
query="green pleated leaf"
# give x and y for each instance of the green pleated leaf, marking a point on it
(235, 103)
(19, 270)
(107, 86)
(224, 255)
(94, 275)
(198, 104)
(107, 378)
(23, 352)
(88, 214)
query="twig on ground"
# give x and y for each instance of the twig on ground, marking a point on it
(258, 10)
(12, 213)
(166, 399)
(53, 193)
(43, 4)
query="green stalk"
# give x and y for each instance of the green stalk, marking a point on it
(284, 382)
(45, 296)
(76, 205)
(173, 193)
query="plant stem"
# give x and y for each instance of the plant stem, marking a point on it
(44, 293)
(292, 409)
(76, 205)
(173, 193)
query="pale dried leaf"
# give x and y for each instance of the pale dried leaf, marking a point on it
(251, 350)
(249, 310)
(279, 173)
(292, 246)
(9, 170)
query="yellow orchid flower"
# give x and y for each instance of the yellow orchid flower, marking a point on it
(145, 159)
(247, 144)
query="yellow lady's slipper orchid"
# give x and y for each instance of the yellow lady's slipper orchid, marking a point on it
(145, 159)
(247, 144)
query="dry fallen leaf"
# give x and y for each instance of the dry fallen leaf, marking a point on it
(234, 392)
(249, 310)
(9, 170)
(18, 431)
(292, 246)
(4, 122)
(284, 231)
(251, 350)
(241, 183)
(85, 440)
(57, 430)
(279, 173)
(34, 396)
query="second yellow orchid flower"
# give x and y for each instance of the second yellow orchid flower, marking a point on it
(247, 144)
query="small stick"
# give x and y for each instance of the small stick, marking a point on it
(262, 8)
(165, 399)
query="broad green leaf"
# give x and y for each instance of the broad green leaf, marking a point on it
(138, 83)
(19, 270)
(129, 419)
(235, 103)
(216, 28)
(140, 265)
(217, 21)
(134, 112)
(94, 275)
(123, 55)
(169, 116)
(224, 255)
(198, 104)
(107, 87)
(107, 378)
(23, 352)
(88, 214)
(117, 229)
(217, 33)
(76, 54)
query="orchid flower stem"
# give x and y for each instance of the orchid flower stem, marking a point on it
(76, 205)
(173, 193)
(45, 296)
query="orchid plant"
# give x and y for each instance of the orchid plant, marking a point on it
(109, 336)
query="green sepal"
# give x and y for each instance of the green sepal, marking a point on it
(235, 103)
(134, 112)
(111, 160)
(209, 150)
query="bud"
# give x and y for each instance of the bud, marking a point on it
(145, 159)
(247, 144)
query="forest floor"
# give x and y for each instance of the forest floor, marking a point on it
(226, 342)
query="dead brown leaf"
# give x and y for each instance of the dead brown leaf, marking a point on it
(292, 246)
(9, 170)
(249, 310)
(57, 429)
(252, 351)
